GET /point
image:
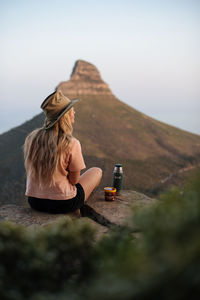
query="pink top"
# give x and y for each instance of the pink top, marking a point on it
(63, 189)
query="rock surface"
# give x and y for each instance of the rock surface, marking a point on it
(28, 217)
(100, 213)
(115, 212)
(85, 80)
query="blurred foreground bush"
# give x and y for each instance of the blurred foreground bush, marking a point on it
(62, 261)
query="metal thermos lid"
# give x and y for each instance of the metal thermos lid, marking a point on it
(118, 168)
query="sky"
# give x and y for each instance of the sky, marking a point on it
(146, 50)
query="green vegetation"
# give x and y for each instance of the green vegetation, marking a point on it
(63, 261)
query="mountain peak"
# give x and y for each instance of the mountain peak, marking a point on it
(84, 70)
(85, 80)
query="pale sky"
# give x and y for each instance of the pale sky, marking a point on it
(147, 51)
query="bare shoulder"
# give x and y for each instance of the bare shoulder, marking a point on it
(74, 141)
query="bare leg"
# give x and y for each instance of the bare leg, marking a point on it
(90, 180)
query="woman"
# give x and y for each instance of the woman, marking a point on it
(53, 161)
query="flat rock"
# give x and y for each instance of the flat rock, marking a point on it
(115, 212)
(28, 217)
(99, 213)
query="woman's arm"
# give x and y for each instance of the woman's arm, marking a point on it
(73, 177)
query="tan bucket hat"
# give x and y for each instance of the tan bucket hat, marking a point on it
(55, 106)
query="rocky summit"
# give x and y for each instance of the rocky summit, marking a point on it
(85, 80)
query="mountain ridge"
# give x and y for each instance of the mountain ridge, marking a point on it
(110, 132)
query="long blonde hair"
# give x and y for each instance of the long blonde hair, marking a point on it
(44, 149)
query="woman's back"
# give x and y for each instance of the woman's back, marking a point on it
(62, 189)
(53, 160)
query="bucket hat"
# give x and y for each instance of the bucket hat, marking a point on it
(55, 106)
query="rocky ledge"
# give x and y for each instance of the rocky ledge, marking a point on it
(98, 212)
(85, 80)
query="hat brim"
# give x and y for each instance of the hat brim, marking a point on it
(62, 112)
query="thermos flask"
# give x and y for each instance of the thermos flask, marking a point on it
(117, 178)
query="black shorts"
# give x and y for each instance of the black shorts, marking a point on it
(59, 206)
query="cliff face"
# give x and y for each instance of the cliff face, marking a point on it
(85, 80)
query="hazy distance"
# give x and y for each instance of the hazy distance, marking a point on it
(147, 51)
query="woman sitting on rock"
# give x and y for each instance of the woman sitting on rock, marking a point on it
(53, 161)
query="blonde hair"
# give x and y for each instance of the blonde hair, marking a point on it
(44, 149)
